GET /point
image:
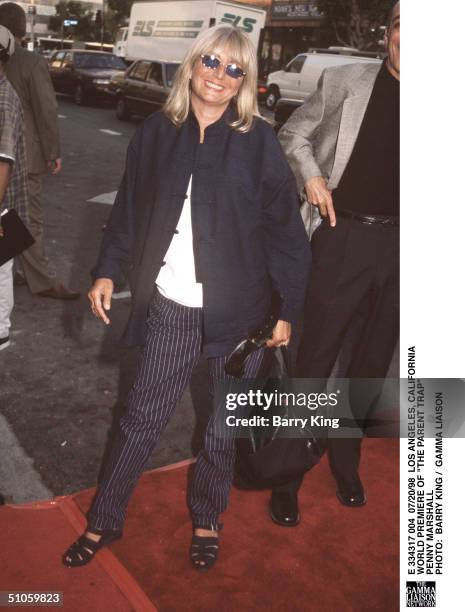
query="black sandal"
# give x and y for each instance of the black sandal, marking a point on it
(84, 549)
(204, 552)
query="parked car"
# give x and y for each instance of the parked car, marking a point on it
(143, 88)
(261, 91)
(83, 74)
(300, 77)
(47, 53)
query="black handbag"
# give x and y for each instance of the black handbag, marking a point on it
(256, 339)
(17, 238)
(266, 457)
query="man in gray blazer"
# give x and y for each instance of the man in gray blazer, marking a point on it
(343, 146)
(28, 73)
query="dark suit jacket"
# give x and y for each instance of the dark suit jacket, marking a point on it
(247, 230)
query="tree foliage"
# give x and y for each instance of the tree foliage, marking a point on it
(356, 23)
(120, 9)
(89, 26)
(85, 28)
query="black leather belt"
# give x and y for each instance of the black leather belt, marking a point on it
(368, 219)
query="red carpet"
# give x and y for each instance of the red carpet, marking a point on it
(338, 559)
(32, 540)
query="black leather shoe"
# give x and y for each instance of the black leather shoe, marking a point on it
(353, 497)
(284, 509)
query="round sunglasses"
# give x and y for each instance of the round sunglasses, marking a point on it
(213, 62)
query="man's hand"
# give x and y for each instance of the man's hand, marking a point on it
(100, 298)
(319, 195)
(54, 165)
(281, 334)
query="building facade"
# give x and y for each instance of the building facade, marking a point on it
(291, 27)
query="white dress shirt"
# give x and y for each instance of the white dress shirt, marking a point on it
(176, 279)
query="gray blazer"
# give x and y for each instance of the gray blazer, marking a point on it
(28, 73)
(319, 137)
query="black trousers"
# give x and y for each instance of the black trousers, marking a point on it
(354, 275)
(172, 349)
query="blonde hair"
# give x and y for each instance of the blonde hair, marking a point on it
(239, 46)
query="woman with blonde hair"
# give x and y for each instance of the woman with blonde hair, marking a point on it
(206, 220)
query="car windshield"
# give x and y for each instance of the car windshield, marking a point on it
(100, 60)
(170, 72)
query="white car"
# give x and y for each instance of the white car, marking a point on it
(300, 77)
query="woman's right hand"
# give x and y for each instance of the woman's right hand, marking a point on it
(100, 298)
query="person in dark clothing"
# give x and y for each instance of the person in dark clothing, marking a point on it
(207, 221)
(28, 74)
(343, 145)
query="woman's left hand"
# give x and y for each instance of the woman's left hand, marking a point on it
(281, 334)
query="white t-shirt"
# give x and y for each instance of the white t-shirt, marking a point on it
(176, 279)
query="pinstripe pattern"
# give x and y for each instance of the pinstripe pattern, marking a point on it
(172, 349)
(209, 491)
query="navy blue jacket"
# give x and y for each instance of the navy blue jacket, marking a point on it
(248, 234)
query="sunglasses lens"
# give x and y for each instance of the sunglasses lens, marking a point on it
(210, 61)
(234, 71)
(213, 62)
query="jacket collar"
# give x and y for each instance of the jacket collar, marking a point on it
(222, 124)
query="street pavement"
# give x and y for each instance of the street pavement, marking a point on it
(64, 378)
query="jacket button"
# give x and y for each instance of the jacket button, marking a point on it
(176, 231)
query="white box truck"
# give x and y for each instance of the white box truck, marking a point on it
(165, 30)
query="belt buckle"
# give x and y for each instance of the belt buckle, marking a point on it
(367, 220)
(373, 220)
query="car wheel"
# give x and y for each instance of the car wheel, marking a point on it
(122, 112)
(272, 97)
(78, 95)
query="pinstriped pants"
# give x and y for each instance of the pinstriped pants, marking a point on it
(172, 349)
